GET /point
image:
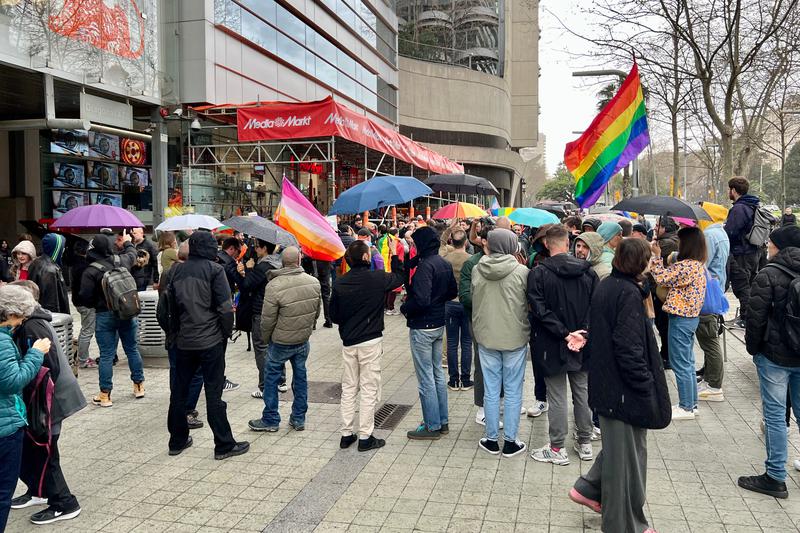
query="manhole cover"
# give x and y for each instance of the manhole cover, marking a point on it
(390, 414)
(319, 392)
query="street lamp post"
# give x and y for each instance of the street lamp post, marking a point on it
(782, 119)
(621, 74)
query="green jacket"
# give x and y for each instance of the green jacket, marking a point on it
(15, 373)
(499, 296)
(465, 282)
(291, 306)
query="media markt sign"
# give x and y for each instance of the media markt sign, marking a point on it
(104, 111)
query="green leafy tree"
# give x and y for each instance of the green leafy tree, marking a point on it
(792, 170)
(560, 188)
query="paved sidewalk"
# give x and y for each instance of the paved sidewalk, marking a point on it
(116, 462)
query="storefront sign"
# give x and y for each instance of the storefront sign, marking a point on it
(105, 111)
(326, 118)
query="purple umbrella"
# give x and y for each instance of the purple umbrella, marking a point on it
(98, 216)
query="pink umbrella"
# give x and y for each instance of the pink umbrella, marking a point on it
(98, 216)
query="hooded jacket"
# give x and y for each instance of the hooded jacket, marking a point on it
(740, 222)
(67, 396)
(560, 295)
(626, 374)
(46, 273)
(15, 373)
(432, 286)
(149, 272)
(26, 247)
(768, 294)
(199, 299)
(358, 301)
(500, 321)
(291, 306)
(102, 251)
(595, 243)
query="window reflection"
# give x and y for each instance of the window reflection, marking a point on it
(308, 50)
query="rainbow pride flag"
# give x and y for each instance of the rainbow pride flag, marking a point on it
(616, 136)
(296, 215)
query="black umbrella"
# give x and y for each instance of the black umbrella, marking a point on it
(662, 205)
(263, 229)
(461, 184)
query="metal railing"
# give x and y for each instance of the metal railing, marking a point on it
(464, 58)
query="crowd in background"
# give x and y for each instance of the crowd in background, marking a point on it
(585, 298)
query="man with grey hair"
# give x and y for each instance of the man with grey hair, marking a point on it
(288, 316)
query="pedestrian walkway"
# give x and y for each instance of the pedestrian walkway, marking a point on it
(117, 464)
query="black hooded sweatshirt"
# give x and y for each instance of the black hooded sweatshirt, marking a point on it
(102, 251)
(431, 287)
(200, 307)
(559, 295)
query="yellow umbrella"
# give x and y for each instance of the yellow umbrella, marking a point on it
(718, 213)
(459, 210)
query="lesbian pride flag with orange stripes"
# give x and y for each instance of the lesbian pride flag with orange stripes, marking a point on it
(615, 138)
(297, 216)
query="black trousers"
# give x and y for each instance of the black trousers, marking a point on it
(41, 473)
(743, 270)
(212, 363)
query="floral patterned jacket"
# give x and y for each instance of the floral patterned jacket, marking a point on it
(686, 282)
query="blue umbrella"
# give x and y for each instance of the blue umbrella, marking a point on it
(380, 191)
(532, 217)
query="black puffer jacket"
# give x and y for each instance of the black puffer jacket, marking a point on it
(46, 274)
(101, 251)
(626, 375)
(763, 333)
(431, 287)
(200, 307)
(559, 295)
(251, 291)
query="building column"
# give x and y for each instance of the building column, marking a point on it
(158, 172)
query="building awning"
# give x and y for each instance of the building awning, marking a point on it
(273, 121)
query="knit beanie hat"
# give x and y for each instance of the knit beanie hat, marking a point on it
(785, 237)
(593, 222)
(609, 230)
(53, 246)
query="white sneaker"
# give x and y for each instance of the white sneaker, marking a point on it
(678, 413)
(522, 411)
(537, 409)
(549, 455)
(596, 434)
(283, 387)
(797, 464)
(584, 451)
(709, 394)
(257, 394)
(480, 418)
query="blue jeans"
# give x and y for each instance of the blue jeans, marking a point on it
(681, 357)
(502, 369)
(10, 461)
(277, 355)
(457, 325)
(109, 330)
(775, 381)
(426, 350)
(196, 385)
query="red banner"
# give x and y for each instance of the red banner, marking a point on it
(326, 118)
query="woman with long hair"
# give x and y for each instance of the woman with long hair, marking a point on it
(168, 250)
(22, 255)
(686, 283)
(627, 389)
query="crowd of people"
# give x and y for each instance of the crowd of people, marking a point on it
(585, 298)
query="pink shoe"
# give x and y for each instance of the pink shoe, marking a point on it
(580, 499)
(651, 530)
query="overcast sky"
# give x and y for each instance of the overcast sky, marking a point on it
(567, 103)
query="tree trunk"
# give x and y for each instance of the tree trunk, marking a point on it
(627, 188)
(676, 152)
(726, 152)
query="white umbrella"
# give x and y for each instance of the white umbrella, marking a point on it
(186, 222)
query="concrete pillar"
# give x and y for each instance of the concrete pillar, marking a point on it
(158, 172)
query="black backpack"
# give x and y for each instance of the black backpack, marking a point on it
(791, 311)
(39, 405)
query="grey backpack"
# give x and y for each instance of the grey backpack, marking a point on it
(119, 289)
(763, 221)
